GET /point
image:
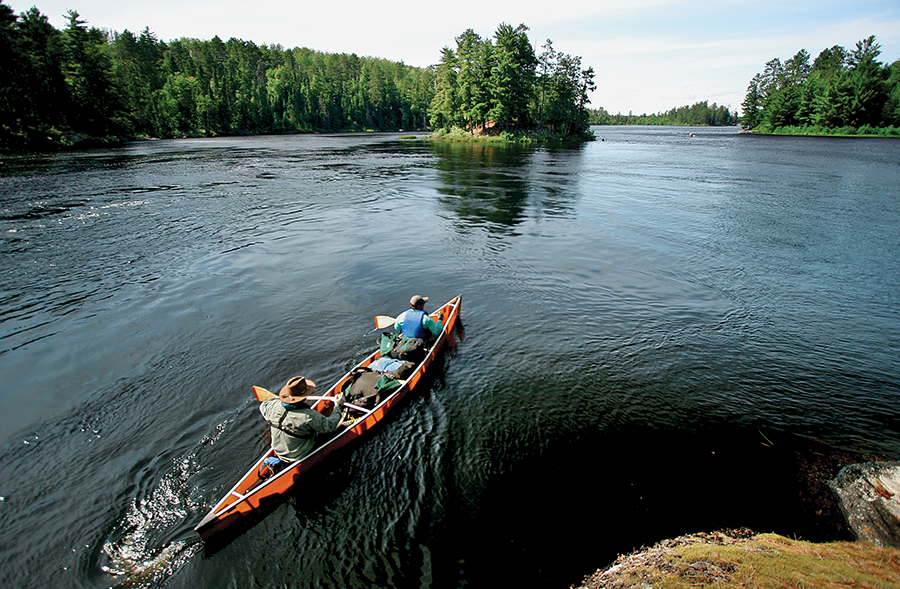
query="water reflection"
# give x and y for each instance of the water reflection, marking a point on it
(502, 186)
(645, 300)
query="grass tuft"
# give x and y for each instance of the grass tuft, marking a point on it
(766, 561)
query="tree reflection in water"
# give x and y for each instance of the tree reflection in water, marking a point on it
(503, 185)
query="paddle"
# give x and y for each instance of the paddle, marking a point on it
(383, 321)
(262, 394)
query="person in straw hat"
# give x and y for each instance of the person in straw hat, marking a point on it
(294, 423)
(415, 322)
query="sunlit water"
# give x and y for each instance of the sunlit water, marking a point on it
(652, 322)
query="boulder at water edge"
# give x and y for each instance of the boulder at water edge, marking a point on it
(870, 499)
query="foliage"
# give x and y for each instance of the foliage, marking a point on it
(84, 82)
(53, 80)
(499, 87)
(700, 113)
(841, 92)
(60, 87)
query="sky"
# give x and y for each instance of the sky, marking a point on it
(648, 55)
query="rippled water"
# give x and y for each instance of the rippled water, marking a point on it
(654, 323)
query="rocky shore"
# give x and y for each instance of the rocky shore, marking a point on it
(868, 496)
(741, 558)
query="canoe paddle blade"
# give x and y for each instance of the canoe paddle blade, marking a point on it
(262, 394)
(383, 321)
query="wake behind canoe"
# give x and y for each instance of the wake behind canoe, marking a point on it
(255, 493)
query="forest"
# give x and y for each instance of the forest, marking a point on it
(501, 87)
(81, 84)
(700, 113)
(839, 92)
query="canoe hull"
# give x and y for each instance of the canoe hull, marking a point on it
(252, 497)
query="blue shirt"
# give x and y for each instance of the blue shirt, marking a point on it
(413, 321)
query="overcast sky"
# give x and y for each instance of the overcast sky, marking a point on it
(648, 55)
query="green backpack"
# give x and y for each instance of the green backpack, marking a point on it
(367, 389)
(411, 349)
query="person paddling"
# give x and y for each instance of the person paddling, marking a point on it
(294, 423)
(415, 322)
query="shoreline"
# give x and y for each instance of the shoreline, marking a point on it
(868, 497)
(62, 142)
(741, 558)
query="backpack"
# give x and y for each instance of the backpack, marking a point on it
(367, 389)
(411, 349)
(392, 367)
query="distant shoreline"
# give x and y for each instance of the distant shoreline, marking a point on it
(879, 133)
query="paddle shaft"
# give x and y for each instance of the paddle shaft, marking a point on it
(384, 321)
(262, 394)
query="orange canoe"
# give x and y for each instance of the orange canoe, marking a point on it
(253, 497)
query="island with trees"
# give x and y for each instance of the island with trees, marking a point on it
(500, 88)
(840, 93)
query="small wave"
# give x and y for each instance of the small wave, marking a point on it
(148, 545)
(130, 203)
(146, 189)
(148, 572)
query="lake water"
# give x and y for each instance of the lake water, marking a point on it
(657, 325)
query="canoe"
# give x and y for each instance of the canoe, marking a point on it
(254, 496)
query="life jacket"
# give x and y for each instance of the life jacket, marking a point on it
(412, 323)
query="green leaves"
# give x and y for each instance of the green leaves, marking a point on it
(840, 89)
(499, 86)
(84, 80)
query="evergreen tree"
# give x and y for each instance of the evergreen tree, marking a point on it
(700, 113)
(831, 61)
(892, 104)
(512, 77)
(42, 56)
(840, 90)
(796, 69)
(136, 65)
(445, 105)
(866, 80)
(12, 88)
(486, 86)
(94, 83)
(93, 99)
(474, 70)
(546, 67)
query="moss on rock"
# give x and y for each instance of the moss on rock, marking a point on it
(741, 558)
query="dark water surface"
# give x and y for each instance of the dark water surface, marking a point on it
(653, 323)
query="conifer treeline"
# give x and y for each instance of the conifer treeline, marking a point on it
(700, 113)
(499, 86)
(86, 81)
(57, 86)
(843, 91)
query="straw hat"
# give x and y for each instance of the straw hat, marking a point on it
(296, 389)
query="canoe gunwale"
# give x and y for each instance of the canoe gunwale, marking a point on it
(248, 494)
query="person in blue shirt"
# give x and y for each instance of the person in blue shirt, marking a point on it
(415, 322)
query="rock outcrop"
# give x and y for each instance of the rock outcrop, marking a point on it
(869, 494)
